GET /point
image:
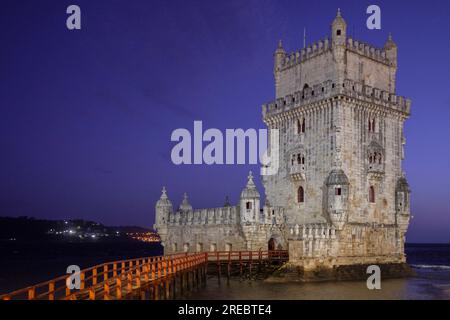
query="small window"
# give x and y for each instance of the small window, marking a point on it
(338, 191)
(301, 124)
(300, 195)
(248, 205)
(338, 32)
(372, 194)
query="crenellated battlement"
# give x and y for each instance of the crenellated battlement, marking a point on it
(329, 89)
(367, 50)
(305, 54)
(324, 45)
(222, 215)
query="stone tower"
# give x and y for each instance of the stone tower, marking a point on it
(340, 122)
(339, 197)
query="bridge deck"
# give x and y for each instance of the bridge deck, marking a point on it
(155, 277)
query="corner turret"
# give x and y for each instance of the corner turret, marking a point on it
(185, 206)
(391, 50)
(250, 201)
(163, 209)
(337, 185)
(279, 56)
(339, 30)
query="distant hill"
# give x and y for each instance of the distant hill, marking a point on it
(28, 228)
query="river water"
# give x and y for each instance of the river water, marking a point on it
(432, 281)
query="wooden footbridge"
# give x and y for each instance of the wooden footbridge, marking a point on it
(154, 278)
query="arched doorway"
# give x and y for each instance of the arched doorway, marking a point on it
(271, 244)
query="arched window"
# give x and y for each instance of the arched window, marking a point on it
(372, 194)
(300, 195)
(372, 125)
(301, 125)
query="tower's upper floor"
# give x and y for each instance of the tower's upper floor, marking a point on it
(335, 59)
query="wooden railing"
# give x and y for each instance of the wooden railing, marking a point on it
(248, 256)
(119, 279)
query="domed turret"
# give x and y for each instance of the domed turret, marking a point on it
(279, 56)
(337, 177)
(337, 197)
(390, 43)
(338, 29)
(163, 209)
(250, 201)
(250, 190)
(391, 50)
(185, 206)
(402, 206)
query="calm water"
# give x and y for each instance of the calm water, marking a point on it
(32, 263)
(430, 262)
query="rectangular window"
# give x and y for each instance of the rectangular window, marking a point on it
(338, 191)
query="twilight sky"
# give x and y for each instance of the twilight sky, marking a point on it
(86, 116)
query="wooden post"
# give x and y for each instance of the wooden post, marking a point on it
(105, 272)
(159, 269)
(91, 293)
(229, 265)
(31, 293)
(146, 277)
(51, 290)
(119, 288)
(167, 287)
(129, 282)
(138, 278)
(115, 270)
(94, 276)
(156, 290)
(82, 280)
(153, 270)
(240, 263)
(106, 291)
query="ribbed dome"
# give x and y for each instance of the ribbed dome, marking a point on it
(402, 185)
(339, 20)
(280, 48)
(337, 177)
(390, 43)
(250, 190)
(185, 206)
(164, 199)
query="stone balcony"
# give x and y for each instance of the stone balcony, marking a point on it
(297, 171)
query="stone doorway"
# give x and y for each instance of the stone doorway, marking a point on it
(271, 244)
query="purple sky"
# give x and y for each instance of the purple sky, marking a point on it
(86, 116)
